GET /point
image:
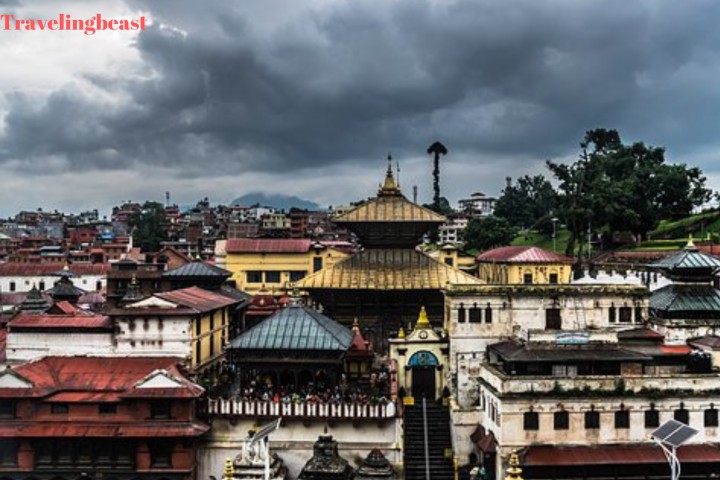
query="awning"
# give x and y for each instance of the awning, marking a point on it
(484, 441)
(645, 453)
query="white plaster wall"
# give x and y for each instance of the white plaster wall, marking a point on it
(173, 338)
(24, 346)
(294, 440)
(25, 283)
(511, 433)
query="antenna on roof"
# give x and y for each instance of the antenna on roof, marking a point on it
(397, 168)
(167, 199)
(414, 193)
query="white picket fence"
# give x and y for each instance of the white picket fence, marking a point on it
(260, 408)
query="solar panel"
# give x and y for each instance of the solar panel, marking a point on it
(265, 431)
(673, 433)
(681, 436)
(666, 429)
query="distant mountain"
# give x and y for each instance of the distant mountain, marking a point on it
(282, 202)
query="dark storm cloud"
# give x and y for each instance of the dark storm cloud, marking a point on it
(226, 89)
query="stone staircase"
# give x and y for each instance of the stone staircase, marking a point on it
(438, 432)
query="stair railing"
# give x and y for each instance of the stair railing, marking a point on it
(425, 441)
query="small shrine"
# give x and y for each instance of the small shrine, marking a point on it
(359, 357)
(375, 467)
(420, 356)
(326, 463)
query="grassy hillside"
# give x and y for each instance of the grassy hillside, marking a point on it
(531, 237)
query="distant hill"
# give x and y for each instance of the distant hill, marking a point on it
(282, 202)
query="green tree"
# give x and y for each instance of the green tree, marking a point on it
(527, 201)
(617, 187)
(148, 227)
(483, 233)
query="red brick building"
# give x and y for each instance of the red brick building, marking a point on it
(93, 418)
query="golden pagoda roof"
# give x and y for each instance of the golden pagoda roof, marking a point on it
(390, 205)
(387, 269)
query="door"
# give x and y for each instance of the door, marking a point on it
(423, 382)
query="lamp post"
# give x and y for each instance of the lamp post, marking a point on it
(554, 221)
(669, 436)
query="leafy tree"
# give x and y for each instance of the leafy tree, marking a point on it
(483, 233)
(149, 227)
(527, 202)
(617, 187)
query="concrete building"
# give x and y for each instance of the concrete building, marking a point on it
(526, 265)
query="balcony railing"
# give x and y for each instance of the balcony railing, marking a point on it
(260, 408)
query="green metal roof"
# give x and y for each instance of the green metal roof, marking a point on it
(688, 258)
(686, 299)
(295, 327)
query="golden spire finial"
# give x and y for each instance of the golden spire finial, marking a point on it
(389, 187)
(423, 322)
(691, 244)
(356, 325)
(229, 471)
(514, 471)
(401, 333)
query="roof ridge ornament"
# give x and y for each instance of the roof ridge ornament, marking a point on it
(423, 322)
(691, 244)
(389, 187)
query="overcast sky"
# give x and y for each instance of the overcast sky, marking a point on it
(221, 98)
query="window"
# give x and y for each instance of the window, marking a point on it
(475, 314)
(488, 313)
(161, 454)
(682, 414)
(198, 351)
(711, 417)
(59, 408)
(160, 410)
(638, 314)
(527, 278)
(592, 419)
(652, 418)
(531, 421)
(12, 286)
(449, 261)
(8, 451)
(107, 408)
(272, 277)
(612, 313)
(461, 313)
(253, 276)
(622, 418)
(297, 275)
(553, 278)
(98, 285)
(625, 314)
(561, 420)
(317, 264)
(552, 319)
(7, 408)
(41, 285)
(564, 371)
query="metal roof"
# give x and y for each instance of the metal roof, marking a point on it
(198, 269)
(387, 269)
(17, 269)
(524, 254)
(389, 209)
(197, 298)
(678, 298)
(295, 327)
(268, 245)
(643, 453)
(110, 374)
(40, 321)
(74, 429)
(514, 352)
(688, 258)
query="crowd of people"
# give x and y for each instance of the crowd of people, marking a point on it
(376, 393)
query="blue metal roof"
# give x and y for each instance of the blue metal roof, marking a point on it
(295, 327)
(688, 258)
(197, 269)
